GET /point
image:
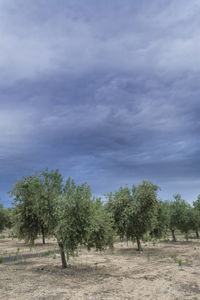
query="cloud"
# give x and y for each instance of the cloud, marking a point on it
(38, 42)
(108, 92)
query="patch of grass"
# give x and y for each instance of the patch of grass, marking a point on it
(174, 256)
(179, 261)
(1, 260)
(2, 236)
(145, 277)
(54, 256)
(46, 253)
(176, 260)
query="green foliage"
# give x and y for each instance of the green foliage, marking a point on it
(195, 216)
(26, 225)
(174, 256)
(101, 228)
(162, 220)
(3, 218)
(134, 211)
(116, 205)
(9, 217)
(81, 220)
(43, 205)
(183, 216)
(34, 203)
(179, 261)
(180, 215)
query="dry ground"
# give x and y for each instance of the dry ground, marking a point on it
(165, 270)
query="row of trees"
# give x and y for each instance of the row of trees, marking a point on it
(44, 205)
(138, 212)
(178, 214)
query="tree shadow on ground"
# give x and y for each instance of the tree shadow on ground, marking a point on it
(80, 272)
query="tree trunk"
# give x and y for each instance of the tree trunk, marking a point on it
(197, 234)
(62, 254)
(43, 239)
(173, 235)
(139, 244)
(43, 236)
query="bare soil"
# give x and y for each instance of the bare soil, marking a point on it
(164, 270)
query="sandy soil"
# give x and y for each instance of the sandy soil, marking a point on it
(164, 270)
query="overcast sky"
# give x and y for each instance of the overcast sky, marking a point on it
(106, 91)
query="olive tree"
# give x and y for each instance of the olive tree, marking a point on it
(26, 225)
(162, 220)
(186, 219)
(33, 199)
(196, 216)
(80, 220)
(195, 221)
(134, 211)
(3, 218)
(175, 213)
(116, 205)
(43, 204)
(179, 216)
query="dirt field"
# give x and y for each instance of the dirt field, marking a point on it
(164, 270)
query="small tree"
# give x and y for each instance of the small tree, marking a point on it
(3, 218)
(49, 189)
(9, 217)
(162, 220)
(25, 219)
(134, 211)
(194, 220)
(116, 205)
(196, 216)
(177, 211)
(80, 221)
(185, 224)
(34, 202)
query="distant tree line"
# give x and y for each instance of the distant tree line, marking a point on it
(44, 205)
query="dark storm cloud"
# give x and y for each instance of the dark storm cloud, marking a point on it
(108, 92)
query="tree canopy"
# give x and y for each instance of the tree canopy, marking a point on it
(134, 211)
(44, 205)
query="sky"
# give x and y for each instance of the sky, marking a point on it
(108, 92)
